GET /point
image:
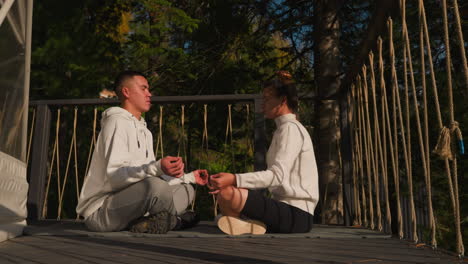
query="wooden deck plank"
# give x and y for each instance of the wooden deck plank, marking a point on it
(69, 242)
(203, 229)
(85, 249)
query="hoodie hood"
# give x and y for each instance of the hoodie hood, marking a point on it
(117, 111)
(142, 133)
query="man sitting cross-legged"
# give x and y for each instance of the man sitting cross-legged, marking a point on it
(123, 188)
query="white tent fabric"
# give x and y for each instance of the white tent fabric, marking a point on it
(15, 54)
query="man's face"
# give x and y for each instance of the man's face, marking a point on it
(138, 93)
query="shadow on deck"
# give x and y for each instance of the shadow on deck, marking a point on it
(69, 242)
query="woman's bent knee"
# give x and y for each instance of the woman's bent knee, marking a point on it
(226, 194)
(232, 199)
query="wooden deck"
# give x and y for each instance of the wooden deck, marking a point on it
(69, 242)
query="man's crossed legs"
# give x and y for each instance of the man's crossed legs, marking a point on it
(152, 196)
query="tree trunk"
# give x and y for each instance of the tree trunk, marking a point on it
(328, 136)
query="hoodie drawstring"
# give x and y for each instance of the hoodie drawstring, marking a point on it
(146, 142)
(138, 138)
(137, 132)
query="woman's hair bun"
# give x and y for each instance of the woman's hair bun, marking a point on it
(284, 75)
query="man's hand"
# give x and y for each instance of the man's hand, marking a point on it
(222, 180)
(201, 177)
(172, 166)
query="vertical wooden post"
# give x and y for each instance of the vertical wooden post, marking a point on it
(259, 137)
(38, 171)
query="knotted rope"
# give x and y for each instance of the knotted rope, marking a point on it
(454, 186)
(445, 143)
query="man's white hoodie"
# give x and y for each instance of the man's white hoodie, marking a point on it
(123, 155)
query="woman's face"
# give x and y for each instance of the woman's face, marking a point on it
(272, 104)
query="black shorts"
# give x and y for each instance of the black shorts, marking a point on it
(278, 217)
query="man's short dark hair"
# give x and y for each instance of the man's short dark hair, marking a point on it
(122, 78)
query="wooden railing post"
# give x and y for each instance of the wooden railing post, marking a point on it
(259, 136)
(38, 170)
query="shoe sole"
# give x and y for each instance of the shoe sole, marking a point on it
(236, 226)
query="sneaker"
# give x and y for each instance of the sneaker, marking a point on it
(187, 220)
(159, 223)
(236, 226)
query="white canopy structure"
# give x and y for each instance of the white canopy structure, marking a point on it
(15, 61)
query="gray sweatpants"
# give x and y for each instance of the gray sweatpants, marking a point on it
(150, 195)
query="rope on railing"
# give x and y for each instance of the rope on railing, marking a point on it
(182, 139)
(249, 140)
(438, 110)
(92, 144)
(229, 134)
(72, 147)
(395, 99)
(384, 106)
(354, 156)
(77, 183)
(159, 144)
(33, 119)
(407, 62)
(427, 174)
(362, 141)
(362, 153)
(402, 125)
(59, 191)
(446, 140)
(461, 41)
(416, 105)
(55, 153)
(454, 186)
(377, 152)
(369, 149)
(205, 148)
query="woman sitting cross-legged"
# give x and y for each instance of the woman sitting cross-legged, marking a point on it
(291, 175)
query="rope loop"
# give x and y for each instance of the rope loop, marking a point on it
(444, 148)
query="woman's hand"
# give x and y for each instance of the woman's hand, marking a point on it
(201, 177)
(221, 180)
